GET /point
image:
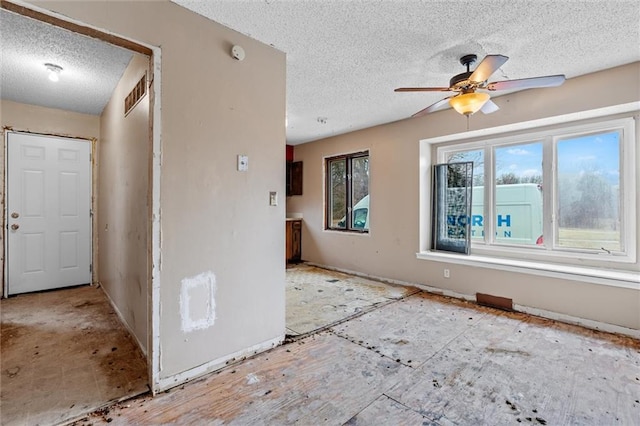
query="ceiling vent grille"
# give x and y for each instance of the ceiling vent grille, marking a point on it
(135, 95)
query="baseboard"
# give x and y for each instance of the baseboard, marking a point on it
(122, 320)
(587, 323)
(208, 367)
(445, 292)
(429, 289)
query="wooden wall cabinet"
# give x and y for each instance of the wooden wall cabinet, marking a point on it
(294, 240)
(294, 178)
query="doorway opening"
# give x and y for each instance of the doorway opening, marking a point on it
(99, 333)
(48, 196)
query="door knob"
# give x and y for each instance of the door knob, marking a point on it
(15, 215)
(15, 226)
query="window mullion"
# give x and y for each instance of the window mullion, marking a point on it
(549, 191)
(489, 195)
(627, 194)
(349, 203)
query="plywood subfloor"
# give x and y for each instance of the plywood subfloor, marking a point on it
(475, 365)
(319, 297)
(424, 359)
(303, 382)
(64, 353)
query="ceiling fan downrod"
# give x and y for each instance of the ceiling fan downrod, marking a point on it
(468, 60)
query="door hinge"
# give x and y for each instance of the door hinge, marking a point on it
(91, 267)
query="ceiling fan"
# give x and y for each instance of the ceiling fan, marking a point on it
(468, 100)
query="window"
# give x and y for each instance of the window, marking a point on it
(347, 200)
(588, 196)
(565, 194)
(517, 194)
(477, 158)
(452, 184)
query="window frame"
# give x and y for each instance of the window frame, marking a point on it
(441, 238)
(348, 158)
(549, 137)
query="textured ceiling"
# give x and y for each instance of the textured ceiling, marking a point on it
(91, 68)
(344, 58)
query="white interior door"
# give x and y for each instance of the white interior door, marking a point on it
(48, 212)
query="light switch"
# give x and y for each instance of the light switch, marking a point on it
(273, 198)
(243, 163)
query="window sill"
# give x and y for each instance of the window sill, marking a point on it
(345, 231)
(624, 279)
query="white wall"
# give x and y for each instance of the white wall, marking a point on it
(389, 250)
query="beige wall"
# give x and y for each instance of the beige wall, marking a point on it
(215, 221)
(389, 251)
(36, 119)
(123, 207)
(51, 121)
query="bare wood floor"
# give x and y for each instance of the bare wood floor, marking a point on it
(422, 359)
(64, 353)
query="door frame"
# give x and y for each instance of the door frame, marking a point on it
(5, 190)
(155, 123)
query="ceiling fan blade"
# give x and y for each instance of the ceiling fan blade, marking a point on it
(488, 66)
(422, 89)
(433, 107)
(528, 83)
(489, 107)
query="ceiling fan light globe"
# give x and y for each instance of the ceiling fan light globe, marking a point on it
(469, 103)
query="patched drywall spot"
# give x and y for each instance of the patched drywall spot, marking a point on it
(197, 302)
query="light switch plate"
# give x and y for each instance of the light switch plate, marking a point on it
(273, 198)
(243, 163)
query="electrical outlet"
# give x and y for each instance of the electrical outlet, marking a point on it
(447, 274)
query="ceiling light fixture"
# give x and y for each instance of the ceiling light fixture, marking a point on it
(469, 103)
(54, 71)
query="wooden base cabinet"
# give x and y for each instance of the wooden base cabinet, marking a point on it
(294, 240)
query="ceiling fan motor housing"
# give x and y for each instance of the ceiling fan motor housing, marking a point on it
(460, 81)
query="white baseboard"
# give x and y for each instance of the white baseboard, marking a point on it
(434, 290)
(165, 383)
(587, 323)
